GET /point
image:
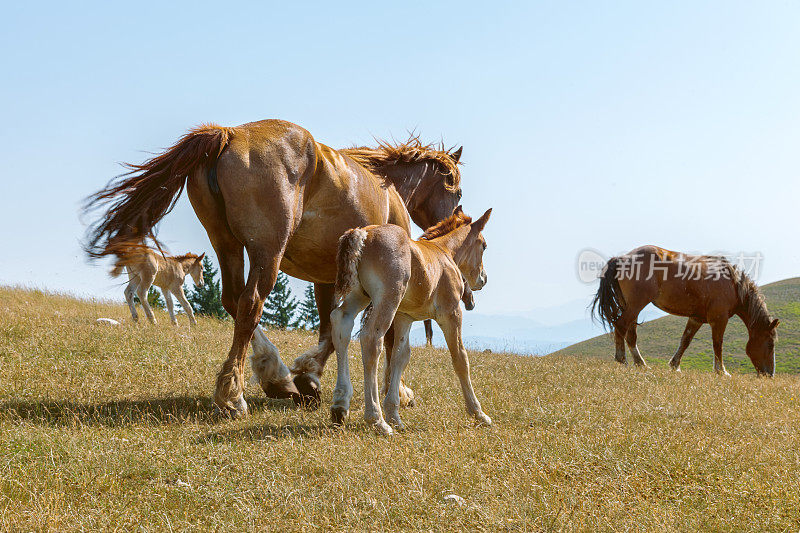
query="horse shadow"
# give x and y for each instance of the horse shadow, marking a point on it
(121, 413)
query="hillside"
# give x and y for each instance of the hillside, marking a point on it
(658, 339)
(111, 428)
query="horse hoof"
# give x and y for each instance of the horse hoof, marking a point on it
(338, 415)
(383, 428)
(484, 420)
(308, 395)
(280, 390)
(239, 410)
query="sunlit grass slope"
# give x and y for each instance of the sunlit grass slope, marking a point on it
(106, 428)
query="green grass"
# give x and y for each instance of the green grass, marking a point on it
(111, 429)
(658, 339)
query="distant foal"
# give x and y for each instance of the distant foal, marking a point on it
(706, 289)
(405, 281)
(146, 267)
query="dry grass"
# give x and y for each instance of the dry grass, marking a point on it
(110, 428)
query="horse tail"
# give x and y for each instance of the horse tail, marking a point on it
(609, 302)
(136, 201)
(127, 253)
(348, 257)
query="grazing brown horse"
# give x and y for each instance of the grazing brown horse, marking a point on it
(269, 188)
(404, 281)
(706, 289)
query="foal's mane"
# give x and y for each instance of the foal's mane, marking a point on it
(411, 151)
(451, 223)
(184, 257)
(750, 297)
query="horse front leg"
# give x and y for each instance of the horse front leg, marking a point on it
(309, 366)
(692, 325)
(451, 327)
(718, 325)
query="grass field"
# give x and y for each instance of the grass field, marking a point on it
(658, 339)
(106, 428)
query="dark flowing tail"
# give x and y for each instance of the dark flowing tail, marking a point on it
(136, 201)
(609, 302)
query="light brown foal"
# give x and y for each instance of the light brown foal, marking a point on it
(404, 281)
(705, 289)
(148, 267)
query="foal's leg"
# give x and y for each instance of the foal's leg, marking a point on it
(718, 325)
(342, 319)
(187, 307)
(130, 291)
(630, 337)
(308, 367)
(145, 282)
(451, 327)
(406, 393)
(401, 354)
(692, 325)
(375, 327)
(170, 306)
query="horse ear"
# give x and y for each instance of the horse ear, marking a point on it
(458, 210)
(456, 156)
(199, 259)
(774, 324)
(481, 222)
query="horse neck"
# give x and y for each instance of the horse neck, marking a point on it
(748, 314)
(406, 178)
(453, 242)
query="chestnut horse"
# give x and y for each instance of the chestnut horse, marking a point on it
(706, 289)
(269, 188)
(404, 281)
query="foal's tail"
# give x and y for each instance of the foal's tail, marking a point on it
(347, 258)
(609, 302)
(136, 201)
(127, 253)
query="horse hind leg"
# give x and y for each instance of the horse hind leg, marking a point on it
(342, 320)
(375, 327)
(630, 338)
(142, 289)
(130, 292)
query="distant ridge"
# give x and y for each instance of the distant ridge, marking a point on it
(658, 339)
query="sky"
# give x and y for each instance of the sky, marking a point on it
(602, 125)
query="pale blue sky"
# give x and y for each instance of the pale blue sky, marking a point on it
(584, 124)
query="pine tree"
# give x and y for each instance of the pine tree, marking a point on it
(207, 300)
(154, 299)
(279, 307)
(308, 316)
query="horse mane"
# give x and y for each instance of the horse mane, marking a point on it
(411, 151)
(750, 297)
(184, 257)
(451, 223)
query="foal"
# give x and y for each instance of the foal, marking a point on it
(705, 289)
(146, 267)
(405, 281)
